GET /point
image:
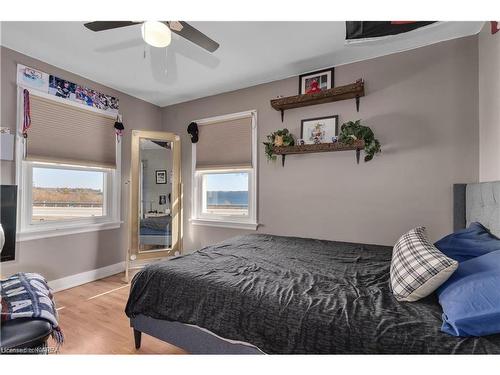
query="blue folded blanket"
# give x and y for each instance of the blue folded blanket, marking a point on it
(27, 295)
(471, 297)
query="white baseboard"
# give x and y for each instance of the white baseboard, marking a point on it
(86, 277)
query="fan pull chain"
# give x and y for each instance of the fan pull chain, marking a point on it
(166, 61)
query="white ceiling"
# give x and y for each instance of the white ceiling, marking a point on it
(250, 53)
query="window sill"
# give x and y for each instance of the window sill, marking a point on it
(225, 224)
(35, 234)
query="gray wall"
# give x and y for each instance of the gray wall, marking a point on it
(489, 105)
(422, 105)
(58, 257)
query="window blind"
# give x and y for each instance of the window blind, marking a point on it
(67, 134)
(225, 144)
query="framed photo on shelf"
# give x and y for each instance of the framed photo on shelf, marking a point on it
(161, 176)
(316, 81)
(319, 129)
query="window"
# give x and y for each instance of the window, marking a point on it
(68, 171)
(225, 193)
(66, 194)
(224, 183)
(58, 199)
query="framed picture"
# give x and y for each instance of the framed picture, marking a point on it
(316, 81)
(163, 200)
(319, 130)
(161, 176)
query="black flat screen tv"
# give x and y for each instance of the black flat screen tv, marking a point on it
(8, 218)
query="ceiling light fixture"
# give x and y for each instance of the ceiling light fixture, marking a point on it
(156, 34)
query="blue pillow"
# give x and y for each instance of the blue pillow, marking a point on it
(468, 243)
(470, 298)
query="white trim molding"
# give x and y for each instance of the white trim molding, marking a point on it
(65, 231)
(222, 118)
(250, 223)
(86, 277)
(225, 224)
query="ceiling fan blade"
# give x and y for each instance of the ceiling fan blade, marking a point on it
(108, 25)
(194, 35)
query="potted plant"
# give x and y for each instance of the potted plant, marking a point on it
(279, 138)
(353, 130)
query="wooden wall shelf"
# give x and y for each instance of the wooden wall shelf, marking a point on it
(322, 147)
(352, 91)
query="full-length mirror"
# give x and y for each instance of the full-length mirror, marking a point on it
(155, 195)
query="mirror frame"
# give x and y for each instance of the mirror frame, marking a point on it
(175, 210)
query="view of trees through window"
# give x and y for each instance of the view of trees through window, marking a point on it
(62, 194)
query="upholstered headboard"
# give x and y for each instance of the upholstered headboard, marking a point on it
(477, 202)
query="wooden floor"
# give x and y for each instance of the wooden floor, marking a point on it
(93, 321)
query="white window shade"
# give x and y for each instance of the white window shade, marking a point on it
(67, 134)
(225, 144)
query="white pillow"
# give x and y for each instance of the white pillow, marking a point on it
(418, 268)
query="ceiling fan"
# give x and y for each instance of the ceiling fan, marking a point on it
(158, 33)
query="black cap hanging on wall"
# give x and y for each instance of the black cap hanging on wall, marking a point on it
(119, 125)
(192, 130)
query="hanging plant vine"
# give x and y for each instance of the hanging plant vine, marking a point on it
(353, 130)
(278, 138)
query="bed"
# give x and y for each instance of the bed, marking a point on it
(156, 230)
(270, 294)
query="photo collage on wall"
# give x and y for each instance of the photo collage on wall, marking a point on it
(40, 81)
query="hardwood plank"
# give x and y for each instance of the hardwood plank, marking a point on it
(93, 321)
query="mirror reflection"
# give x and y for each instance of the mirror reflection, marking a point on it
(155, 195)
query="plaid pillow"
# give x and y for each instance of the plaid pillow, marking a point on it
(418, 268)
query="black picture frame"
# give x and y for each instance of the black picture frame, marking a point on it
(162, 199)
(159, 179)
(318, 72)
(336, 117)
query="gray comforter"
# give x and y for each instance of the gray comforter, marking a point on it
(295, 295)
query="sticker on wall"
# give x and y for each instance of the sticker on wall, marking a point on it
(95, 99)
(61, 88)
(32, 78)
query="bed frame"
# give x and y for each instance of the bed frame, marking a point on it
(471, 202)
(193, 339)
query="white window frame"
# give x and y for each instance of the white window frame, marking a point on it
(226, 221)
(24, 180)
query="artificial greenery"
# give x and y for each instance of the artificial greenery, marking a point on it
(353, 130)
(271, 139)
